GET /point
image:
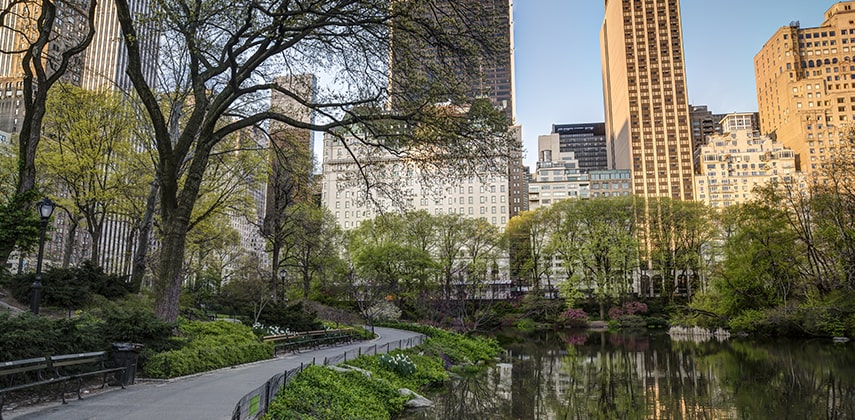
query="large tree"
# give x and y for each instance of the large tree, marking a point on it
(227, 52)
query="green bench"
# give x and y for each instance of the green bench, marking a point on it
(38, 372)
(310, 339)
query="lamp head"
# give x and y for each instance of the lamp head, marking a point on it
(45, 207)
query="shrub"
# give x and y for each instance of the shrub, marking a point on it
(574, 318)
(132, 320)
(458, 348)
(631, 321)
(24, 336)
(321, 393)
(428, 369)
(294, 317)
(628, 308)
(655, 322)
(541, 309)
(71, 288)
(208, 346)
(525, 324)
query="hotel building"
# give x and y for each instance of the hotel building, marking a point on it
(648, 130)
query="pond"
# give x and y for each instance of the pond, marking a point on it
(596, 375)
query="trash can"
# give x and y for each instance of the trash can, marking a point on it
(126, 355)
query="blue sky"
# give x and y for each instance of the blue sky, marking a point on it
(557, 56)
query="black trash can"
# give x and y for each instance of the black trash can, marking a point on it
(127, 355)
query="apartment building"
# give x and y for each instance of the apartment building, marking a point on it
(806, 88)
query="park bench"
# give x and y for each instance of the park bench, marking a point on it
(309, 339)
(40, 372)
(24, 374)
(76, 367)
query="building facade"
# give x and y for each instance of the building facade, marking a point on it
(382, 182)
(587, 141)
(735, 163)
(106, 58)
(648, 130)
(806, 87)
(559, 175)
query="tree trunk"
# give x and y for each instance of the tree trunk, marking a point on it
(73, 223)
(274, 262)
(95, 252)
(139, 262)
(167, 285)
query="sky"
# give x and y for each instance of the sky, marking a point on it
(557, 56)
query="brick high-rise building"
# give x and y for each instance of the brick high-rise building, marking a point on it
(646, 109)
(806, 87)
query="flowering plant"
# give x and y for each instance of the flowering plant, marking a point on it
(399, 363)
(574, 318)
(628, 308)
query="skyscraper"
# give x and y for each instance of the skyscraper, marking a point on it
(101, 66)
(485, 71)
(490, 74)
(806, 87)
(106, 58)
(646, 108)
(587, 141)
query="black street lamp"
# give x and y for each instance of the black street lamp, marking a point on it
(45, 207)
(282, 276)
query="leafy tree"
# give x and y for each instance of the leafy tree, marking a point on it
(288, 181)
(312, 244)
(674, 235)
(219, 63)
(527, 235)
(596, 241)
(83, 156)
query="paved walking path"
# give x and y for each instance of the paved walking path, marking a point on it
(211, 395)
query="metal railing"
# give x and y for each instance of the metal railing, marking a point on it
(254, 404)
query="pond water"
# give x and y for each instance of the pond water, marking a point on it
(602, 375)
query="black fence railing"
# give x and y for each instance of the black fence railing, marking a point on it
(254, 404)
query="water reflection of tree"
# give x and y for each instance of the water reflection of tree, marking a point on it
(601, 375)
(599, 384)
(786, 381)
(474, 396)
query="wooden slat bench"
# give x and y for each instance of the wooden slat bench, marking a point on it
(309, 339)
(37, 372)
(78, 366)
(18, 375)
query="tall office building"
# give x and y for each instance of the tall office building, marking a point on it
(489, 75)
(107, 58)
(587, 142)
(646, 108)
(101, 66)
(806, 87)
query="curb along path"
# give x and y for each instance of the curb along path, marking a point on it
(211, 395)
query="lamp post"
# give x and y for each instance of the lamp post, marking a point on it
(282, 275)
(45, 207)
